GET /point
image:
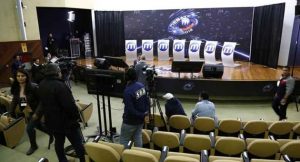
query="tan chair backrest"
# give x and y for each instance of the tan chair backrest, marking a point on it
(196, 142)
(179, 122)
(292, 149)
(180, 159)
(256, 127)
(230, 125)
(194, 156)
(281, 127)
(155, 153)
(213, 158)
(266, 160)
(230, 145)
(263, 147)
(169, 139)
(138, 156)
(296, 128)
(118, 147)
(146, 136)
(158, 122)
(204, 124)
(101, 153)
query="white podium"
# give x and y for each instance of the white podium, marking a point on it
(130, 50)
(147, 49)
(163, 50)
(210, 52)
(227, 54)
(178, 50)
(194, 50)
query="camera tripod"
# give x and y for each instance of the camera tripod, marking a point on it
(154, 104)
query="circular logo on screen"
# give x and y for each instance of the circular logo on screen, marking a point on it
(183, 23)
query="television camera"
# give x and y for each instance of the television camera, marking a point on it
(150, 74)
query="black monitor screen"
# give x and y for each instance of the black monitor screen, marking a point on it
(187, 66)
(105, 82)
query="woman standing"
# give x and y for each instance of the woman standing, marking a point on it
(25, 95)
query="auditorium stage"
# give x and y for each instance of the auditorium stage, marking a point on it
(245, 81)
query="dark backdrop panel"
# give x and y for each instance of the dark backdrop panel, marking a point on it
(219, 24)
(267, 30)
(110, 33)
(294, 57)
(54, 20)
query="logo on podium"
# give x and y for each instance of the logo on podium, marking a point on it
(147, 46)
(131, 46)
(209, 48)
(227, 50)
(163, 46)
(178, 46)
(194, 47)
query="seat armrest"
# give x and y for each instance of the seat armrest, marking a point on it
(182, 136)
(164, 153)
(212, 139)
(286, 158)
(43, 160)
(272, 137)
(241, 136)
(245, 157)
(97, 138)
(129, 145)
(204, 156)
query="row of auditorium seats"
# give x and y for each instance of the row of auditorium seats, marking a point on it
(221, 145)
(230, 127)
(99, 151)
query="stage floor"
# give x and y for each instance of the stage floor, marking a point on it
(246, 71)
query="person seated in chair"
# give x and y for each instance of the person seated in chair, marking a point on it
(204, 108)
(173, 106)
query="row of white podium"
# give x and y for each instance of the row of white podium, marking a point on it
(179, 48)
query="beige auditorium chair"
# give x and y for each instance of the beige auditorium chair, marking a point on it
(195, 143)
(11, 132)
(203, 125)
(179, 122)
(85, 110)
(262, 148)
(255, 129)
(229, 127)
(103, 151)
(170, 139)
(280, 129)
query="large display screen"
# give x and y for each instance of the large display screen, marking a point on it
(213, 24)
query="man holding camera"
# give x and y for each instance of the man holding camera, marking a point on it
(136, 109)
(140, 69)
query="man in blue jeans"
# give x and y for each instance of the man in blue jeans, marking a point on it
(137, 106)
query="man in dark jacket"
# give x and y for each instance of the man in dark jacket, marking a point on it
(284, 89)
(173, 106)
(137, 106)
(61, 114)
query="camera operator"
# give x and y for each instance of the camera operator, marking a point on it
(136, 108)
(140, 68)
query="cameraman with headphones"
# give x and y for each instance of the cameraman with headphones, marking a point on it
(136, 108)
